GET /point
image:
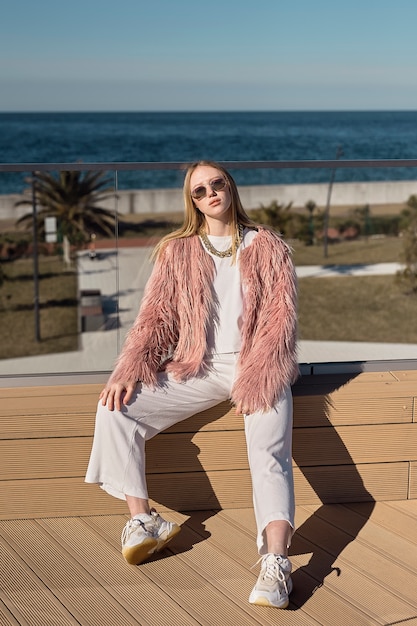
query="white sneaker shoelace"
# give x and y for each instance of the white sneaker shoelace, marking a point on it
(130, 526)
(272, 570)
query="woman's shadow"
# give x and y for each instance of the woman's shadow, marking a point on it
(177, 480)
(340, 483)
(175, 475)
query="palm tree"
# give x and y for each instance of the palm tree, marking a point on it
(71, 197)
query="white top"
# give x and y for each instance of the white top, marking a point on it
(224, 336)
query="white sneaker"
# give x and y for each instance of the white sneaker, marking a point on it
(145, 534)
(274, 583)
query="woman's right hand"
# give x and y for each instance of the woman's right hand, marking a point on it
(116, 394)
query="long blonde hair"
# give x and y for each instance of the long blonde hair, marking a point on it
(194, 219)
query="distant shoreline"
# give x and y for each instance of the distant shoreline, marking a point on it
(382, 195)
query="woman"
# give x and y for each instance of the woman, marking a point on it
(217, 321)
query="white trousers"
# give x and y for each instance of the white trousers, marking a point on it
(117, 461)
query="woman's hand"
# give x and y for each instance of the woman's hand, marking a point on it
(116, 394)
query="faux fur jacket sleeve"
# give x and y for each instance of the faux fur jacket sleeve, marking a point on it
(268, 358)
(170, 329)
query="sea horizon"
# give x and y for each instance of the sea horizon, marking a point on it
(187, 136)
(207, 111)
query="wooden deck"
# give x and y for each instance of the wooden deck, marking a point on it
(354, 564)
(354, 551)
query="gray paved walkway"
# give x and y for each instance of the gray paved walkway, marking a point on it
(321, 271)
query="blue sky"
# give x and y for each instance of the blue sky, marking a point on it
(130, 55)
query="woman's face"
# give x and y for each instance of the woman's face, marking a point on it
(210, 192)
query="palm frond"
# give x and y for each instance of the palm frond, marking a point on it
(73, 198)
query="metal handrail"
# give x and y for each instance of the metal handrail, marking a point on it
(181, 165)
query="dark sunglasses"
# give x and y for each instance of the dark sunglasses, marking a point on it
(200, 192)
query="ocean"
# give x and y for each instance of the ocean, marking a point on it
(222, 136)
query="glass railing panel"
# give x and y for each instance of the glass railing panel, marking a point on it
(149, 206)
(59, 284)
(344, 276)
(355, 304)
(68, 310)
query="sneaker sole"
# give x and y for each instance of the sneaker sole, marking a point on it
(263, 600)
(137, 554)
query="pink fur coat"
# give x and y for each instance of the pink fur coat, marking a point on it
(170, 330)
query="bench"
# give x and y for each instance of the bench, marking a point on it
(355, 439)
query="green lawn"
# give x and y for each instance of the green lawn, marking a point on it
(385, 250)
(347, 308)
(350, 308)
(341, 309)
(57, 303)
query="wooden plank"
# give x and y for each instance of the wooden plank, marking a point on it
(30, 403)
(58, 570)
(350, 483)
(7, 618)
(362, 566)
(202, 490)
(335, 381)
(340, 554)
(183, 595)
(21, 499)
(168, 453)
(353, 389)
(397, 517)
(24, 595)
(44, 458)
(215, 563)
(373, 389)
(29, 499)
(28, 412)
(374, 538)
(407, 506)
(406, 375)
(65, 410)
(212, 451)
(413, 481)
(220, 417)
(322, 410)
(106, 565)
(45, 394)
(316, 586)
(67, 420)
(213, 585)
(355, 444)
(319, 384)
(346, 382)
(30, 427)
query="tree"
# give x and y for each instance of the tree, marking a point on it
(364, 216)
(276, 215)
(408, 275)
(71, 197)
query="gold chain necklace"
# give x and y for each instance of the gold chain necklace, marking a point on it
(225, 253)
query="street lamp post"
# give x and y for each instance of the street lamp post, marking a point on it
(327, 210)
(35, 261)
